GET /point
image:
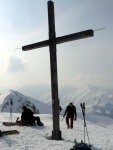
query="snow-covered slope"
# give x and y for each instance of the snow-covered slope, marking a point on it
(98, 100)
(36, 138)
(100, 128)
(20, 100)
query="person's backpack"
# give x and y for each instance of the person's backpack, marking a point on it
(81, 146)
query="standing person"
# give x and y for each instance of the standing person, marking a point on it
(28, 118)
(71, 114)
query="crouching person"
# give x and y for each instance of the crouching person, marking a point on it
(28, 118)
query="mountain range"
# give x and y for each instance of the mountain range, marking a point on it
(98, 100)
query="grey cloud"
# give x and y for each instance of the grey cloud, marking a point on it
(15, 63)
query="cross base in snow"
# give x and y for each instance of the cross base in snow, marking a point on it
(56, 134)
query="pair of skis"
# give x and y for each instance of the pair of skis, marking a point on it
(9, 132)
(85, 126)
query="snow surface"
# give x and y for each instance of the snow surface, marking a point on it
(36, 138)
(100, 128)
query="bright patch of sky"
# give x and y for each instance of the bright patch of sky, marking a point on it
(86, 61)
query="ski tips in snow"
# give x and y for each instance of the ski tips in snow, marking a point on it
(82, 105)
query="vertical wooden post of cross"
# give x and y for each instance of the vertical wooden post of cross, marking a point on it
(56, 133)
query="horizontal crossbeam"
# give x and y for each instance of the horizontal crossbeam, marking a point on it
(59, 40)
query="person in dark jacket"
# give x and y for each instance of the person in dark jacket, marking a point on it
(28, 118)
(71, 114)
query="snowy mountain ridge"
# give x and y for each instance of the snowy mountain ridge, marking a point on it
(19, 100)
(98, 100)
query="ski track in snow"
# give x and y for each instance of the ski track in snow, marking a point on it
(36, 138)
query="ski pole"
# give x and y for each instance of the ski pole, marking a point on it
(87, 135)
(83, 108)
(11, 103)
(83, 112)
(85, 123)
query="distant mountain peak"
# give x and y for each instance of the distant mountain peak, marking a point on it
(15, 100)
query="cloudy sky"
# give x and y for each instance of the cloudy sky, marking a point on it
(81, 62)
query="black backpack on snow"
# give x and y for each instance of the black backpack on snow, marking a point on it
(81, 146)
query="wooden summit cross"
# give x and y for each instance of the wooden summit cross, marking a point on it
(53, 40)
